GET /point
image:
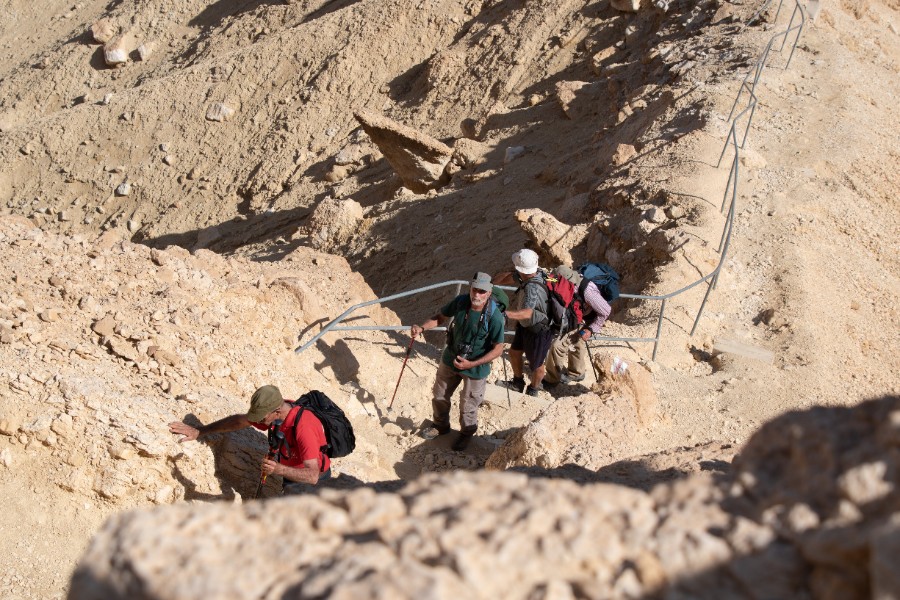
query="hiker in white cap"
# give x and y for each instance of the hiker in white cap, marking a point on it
(529, 311)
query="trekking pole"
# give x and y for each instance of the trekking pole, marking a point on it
(397, 387)
(591, 358)
(276, 441)
(505, 379)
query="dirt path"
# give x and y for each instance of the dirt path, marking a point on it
(815, 241)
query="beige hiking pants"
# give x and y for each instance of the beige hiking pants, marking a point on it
(445, 383)
(569, 354)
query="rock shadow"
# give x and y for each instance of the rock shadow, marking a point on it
(233, 455)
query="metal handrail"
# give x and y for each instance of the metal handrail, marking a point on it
(731, 185)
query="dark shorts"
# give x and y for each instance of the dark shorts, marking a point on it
(534, 345)
(289, 488)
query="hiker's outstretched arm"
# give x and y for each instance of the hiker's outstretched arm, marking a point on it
(434, 321)
(189, 433)
(522, 314)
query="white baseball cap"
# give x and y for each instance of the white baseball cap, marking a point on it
(526, 261)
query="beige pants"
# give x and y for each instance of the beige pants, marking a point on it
(566, 353)
(445, 383)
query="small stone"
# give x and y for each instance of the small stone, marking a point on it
(626, 5)
(675, 212)
(103, 31)
(219, 112)
(169, 159)
(50, 315)
(133, 225)
(393, 429)
(116, 50)
(107, 98)
(337, 173)
(145, 50)
(6, 457)
(124, 189)
(104, 327)
(655, 215)
(512, 153)
(63, 216)
(9, 425)
(854, 305)
(623, 154)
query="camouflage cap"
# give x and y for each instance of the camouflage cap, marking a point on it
(573, 277)
(264, 400)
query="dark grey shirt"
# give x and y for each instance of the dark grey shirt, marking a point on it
(533, 296)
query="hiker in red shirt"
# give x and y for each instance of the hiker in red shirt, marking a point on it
(303, 463)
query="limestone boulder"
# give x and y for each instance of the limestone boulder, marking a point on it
(631, 379)
(589, 430)
(417, 158)
(579, 98)
(553, 240)
(333, 223)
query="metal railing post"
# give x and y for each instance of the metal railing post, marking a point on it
(662, 310)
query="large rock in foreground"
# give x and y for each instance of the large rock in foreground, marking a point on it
(417, 158)
(771, 532)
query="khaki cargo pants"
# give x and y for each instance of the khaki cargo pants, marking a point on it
(445, 383)
(566, 353)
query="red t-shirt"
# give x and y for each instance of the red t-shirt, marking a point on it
(305, 439)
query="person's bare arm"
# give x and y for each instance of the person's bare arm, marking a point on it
(522, 314)
(434, 321)
(190, 433)
(308, 473)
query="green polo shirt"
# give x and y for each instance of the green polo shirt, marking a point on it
(468, 330)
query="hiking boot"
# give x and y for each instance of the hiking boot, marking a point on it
(533, 391)
(564, 377)
(432, 432)
(462, 442)
(516, 383)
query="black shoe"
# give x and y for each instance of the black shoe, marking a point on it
(516, 383)
(432, 432)
(462, 442)
(533, 391)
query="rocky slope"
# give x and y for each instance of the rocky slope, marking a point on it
(582, 129)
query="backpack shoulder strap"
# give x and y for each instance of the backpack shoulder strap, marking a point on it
(297, 420)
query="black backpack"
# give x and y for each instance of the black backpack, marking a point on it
(604, 277)
(339, 438)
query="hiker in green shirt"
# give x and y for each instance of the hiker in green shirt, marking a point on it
(474, 339)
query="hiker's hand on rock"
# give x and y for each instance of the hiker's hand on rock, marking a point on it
(183, 429)
(462, 364)
(416, 330)
(270, 467)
